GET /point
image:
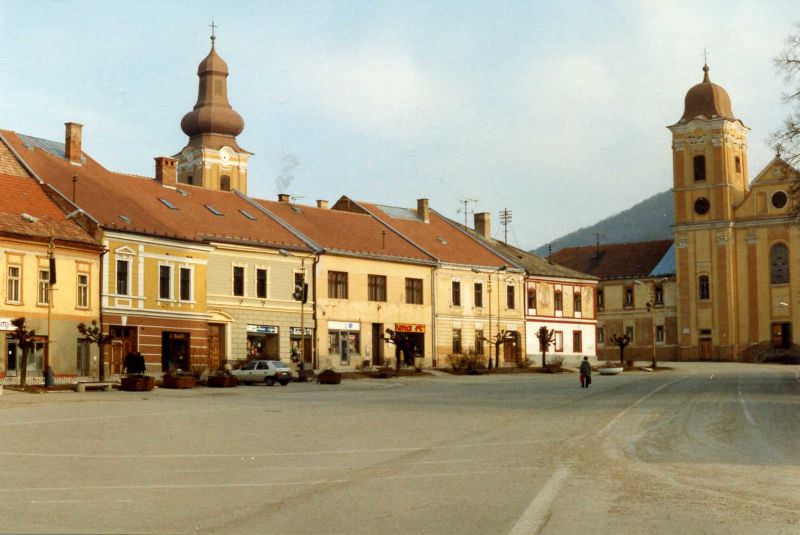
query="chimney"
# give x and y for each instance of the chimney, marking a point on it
(422, 210)
(483, 225)
(166, 172)
(283, 197)
(322, 203)
(72, 143)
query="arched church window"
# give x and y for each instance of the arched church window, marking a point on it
(225, 183)
(703, 288)
(779, 264)
(699, 167)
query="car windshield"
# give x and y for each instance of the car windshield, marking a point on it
(248, 366)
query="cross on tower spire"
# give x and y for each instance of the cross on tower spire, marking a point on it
(213, 33)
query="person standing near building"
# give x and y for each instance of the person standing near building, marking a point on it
(586, 373)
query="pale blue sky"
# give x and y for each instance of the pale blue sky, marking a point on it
(554, 110)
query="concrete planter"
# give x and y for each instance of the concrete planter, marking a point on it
(179, 381)
(222, 381)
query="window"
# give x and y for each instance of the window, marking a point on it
(703, 288)
(558, 342)
(699, 167)
(600, 299)
(165, 282)
(629, 333)
(779, 199)
(82, 297)
(247, 214)
(43, 295)
(414, 291)
(601, 335)
(738, 164)
(123, 277)
(376, 287)
(14, 275)
(577, 303)
(559, 301)
(185, 284)
(225, 183)
(577, 341)
(479, 341)
(213, 210)
(779, 264)
(511, 298)
(456, 340)
(168, 204)
(532, 298)
(478, 295)
(238, 281)
(659, 295)
(261, 283)
(456, 293)
(629, 300)
(337, 285)
(659, 333)
(702, 206)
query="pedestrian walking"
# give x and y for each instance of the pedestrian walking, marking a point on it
(586, 373)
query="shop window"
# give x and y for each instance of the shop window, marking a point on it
(456, 293)
(779, 264)
(13, 284)
(238, 281)
(376, 288)
(703, 288)
(337, 285)
(413, 291)
(346, 344)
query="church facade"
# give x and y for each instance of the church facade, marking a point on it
(736, 242)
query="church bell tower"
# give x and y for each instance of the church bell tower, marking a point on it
(212, 158)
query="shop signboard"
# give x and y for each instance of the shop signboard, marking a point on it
(5, 324)
(344, 326)
(297, 331)
(263, 329)
(409, 328)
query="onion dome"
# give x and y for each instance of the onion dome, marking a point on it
(212, 115)
(707, 100)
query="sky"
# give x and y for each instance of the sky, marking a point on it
(556, 111)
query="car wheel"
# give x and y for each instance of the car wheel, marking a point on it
(269, 381)
(284, 383)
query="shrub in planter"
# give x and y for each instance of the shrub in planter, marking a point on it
(137, 383)
(329, 377)
(178, 379)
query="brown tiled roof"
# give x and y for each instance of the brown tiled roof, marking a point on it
(129, 203)
(346, 232)
(437, 237)
(619, 260)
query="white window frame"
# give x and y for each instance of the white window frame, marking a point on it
(16, 281)
(42, 287)
(266, 280)
(129, 283)
(171, 282)
(79, 287)
(191, 283)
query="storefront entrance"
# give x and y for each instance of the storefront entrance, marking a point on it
(36, 356)
(410, 342)
(344, 339)
(263, 342)
(782, 335)
(216, 345)
(175, 351)
(296, 337)
(123, 341)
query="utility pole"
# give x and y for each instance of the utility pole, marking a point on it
(505, 219)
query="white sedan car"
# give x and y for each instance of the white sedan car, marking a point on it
(268, 372)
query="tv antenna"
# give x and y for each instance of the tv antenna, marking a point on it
(505, 219)
(465, 209)
(293, 198)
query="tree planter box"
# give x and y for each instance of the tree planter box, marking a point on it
(329, 377)
(169, 381)
(137, 383)
(222, 381)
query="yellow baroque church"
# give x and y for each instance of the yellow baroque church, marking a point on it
(737, 278)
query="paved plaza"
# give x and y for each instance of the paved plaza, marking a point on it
(702, 448)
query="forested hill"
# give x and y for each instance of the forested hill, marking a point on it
(651, 219)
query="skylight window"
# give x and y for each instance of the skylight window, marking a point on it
(29, 218)
(125, 218)
(168, 204)
(442, 241)
(213, 210)
(247, 214)
(182, 192)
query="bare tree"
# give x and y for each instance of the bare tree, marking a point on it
(497, 340)
(621, 342)
(25, 342)
(787, 138)
(94, 334)
(546, 337)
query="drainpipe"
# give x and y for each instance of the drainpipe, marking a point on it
(101, 375)
(434, 359)
(315, 350)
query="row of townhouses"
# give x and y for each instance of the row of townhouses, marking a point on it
(189, 270)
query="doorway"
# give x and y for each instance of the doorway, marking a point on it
(781, 335)
(216, 345)
(123, 341)
(377, 344)
(82, 362)
(175, 351)
(511, 346)
(705, 349)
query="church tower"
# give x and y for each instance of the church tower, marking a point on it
(709, 150)
(212, 158)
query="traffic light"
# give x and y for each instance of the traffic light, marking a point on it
(300, 290)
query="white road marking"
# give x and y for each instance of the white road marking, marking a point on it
(625, 411)
(744, 407)
(265, 453)
(534, 517)
(81, 501)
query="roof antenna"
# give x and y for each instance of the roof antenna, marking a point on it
(74, 182)
(549, 251)
(505, 219)
(383, 238)
(465, 202)
(597, 244)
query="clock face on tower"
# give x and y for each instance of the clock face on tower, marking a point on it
(701, 206)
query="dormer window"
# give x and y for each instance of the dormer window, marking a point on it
(699, 167)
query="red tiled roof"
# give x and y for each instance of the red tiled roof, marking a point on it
(437, 237)
(107, 196)
(338, 231)
(619, 260)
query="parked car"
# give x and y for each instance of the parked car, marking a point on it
(267, 371)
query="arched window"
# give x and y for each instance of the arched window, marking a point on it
(779, 264)
(225, 183)
(703, 288)
(699, 167)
